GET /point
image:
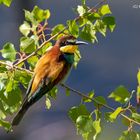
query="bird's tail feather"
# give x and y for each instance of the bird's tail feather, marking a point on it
(18, 117)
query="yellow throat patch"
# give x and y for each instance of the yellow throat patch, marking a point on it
(69, 49)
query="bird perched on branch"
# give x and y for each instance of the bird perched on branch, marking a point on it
(51, 68)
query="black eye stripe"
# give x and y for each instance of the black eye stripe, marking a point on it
(67, 43)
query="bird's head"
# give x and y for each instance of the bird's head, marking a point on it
(69, 44)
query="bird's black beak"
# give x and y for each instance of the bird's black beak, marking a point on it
(81, 43)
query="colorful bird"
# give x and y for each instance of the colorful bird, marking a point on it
(51, 69)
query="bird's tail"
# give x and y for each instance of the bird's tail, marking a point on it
(16, 120)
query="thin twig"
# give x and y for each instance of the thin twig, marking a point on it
(11, 66)
(42, 45)
(94, 100)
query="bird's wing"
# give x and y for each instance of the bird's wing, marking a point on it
(46, 71)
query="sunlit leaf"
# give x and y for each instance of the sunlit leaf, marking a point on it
(88, 33)
(136, 116)
(73, 28)
(138, 77)
(29, 16)
(9, 52)
(84, 124)
(32, 61)
(48, 102)
(25, 28)
(6, 2)
(104, 10)
(77, 57)
(27, 45)
(5, 124)
(97, 127)
(40, 14)
(120, 94)
(81, 10)
(114, 115)
(90, 95)
(101, 27)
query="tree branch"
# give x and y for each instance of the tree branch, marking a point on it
(11, 66)
(94, 100)
(51, 38)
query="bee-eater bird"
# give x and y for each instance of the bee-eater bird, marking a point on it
(50, 69)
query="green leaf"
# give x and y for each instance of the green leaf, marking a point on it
(97, 127)
(9, 52)
(48, 102)
(67, 92)
(83, 2)
(77, 111)
(138, 77)
(93, 16)
(2, 114)
(73, 28)
(25, 28)
(53, 92)
(88, 33)
(57, 29)
(81, 10)
(130, 135)
(3, 68)
(22, 77)
(90, 95)
(120, 95)
(82, 21)
(40, 14)
(107, 117)
(77, 57)
(136, 116)
(110, 22)
(32, 61)
(27, 45)
(5, 124)
(104, 10)
(100, 101)
(84, 124)
(44, 48)
(97, 114)
(6, 2)
(126, 122)
(101, 27)
(9, 85)
(114, 115)
(29, 16)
